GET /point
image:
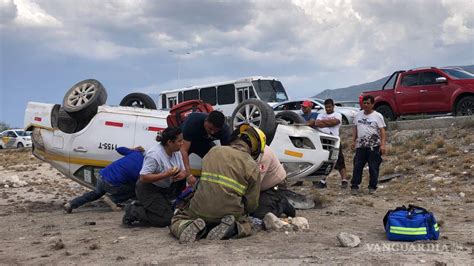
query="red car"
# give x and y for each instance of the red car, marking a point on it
(428, 90)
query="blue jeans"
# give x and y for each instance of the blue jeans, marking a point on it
(374, 159)
(117, 193)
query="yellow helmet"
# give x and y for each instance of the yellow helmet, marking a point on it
(256, 138)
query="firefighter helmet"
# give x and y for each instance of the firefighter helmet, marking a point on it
(255, 138)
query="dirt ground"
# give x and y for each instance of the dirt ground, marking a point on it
(436, 172)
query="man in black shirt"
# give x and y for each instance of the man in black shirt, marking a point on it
(199, 132)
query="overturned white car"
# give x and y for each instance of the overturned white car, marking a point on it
(80, 137)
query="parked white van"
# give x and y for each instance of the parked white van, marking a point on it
(225, 96)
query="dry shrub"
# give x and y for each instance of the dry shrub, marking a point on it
(431, 162)
(387, 168)
(451, 151)
(421, 160)
(439, 142)
(468, 159)
(417, 144)
(468, 138)
(400, 148)
(405, 156)
(456, 172)
(419, 136)
(430, 149)
(16, 157)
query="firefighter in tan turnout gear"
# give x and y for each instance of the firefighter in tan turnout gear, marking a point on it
(227, 192)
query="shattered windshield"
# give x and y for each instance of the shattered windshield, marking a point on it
(458, 73)
(270, 90)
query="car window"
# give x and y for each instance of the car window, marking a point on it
(209, 95)
(226, 94)
(191, 95)
(429, 78)
(458, 73)
(317, 107)
(163, 101)
(410, 80)
(11, 134)
(280, 107)
(21, 133)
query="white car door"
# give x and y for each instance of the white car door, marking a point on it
(9, 139)
(147, 128)
(95, 146)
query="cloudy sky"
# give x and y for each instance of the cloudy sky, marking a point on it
(49, 45)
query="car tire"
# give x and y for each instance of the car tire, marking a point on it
(68, 124)
(386, 112)
(289, 118)
(83, 99)
(20, 145)
(258, 114)
(465, 106)
(137, 99)
(345, 121)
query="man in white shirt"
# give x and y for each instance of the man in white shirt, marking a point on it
(329, 123)
(369, 143)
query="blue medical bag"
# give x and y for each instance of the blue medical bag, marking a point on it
(410, 224)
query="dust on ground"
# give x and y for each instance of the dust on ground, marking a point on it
(435, 169)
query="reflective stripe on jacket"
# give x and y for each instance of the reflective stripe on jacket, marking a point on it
(229, 184)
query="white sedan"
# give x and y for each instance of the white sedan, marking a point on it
(15, 138)
(348, 113)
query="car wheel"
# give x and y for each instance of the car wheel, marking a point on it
(289, 118)
(20, 145)
(386, 111)
(137, 99)
(256, 113)
(68, 124)
(465, 106)
(345, 121)
(83, 99)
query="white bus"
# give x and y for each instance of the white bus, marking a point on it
(225, 96)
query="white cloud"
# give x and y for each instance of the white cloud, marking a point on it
(31, 14)
(8, 11)
(298, 38)
(458, 27)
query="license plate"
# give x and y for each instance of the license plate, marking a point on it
(334, 154)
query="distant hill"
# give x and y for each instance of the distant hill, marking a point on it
(352, 93)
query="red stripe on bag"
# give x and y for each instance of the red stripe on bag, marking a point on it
(38, 119)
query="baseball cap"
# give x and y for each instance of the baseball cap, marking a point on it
(307, 104)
